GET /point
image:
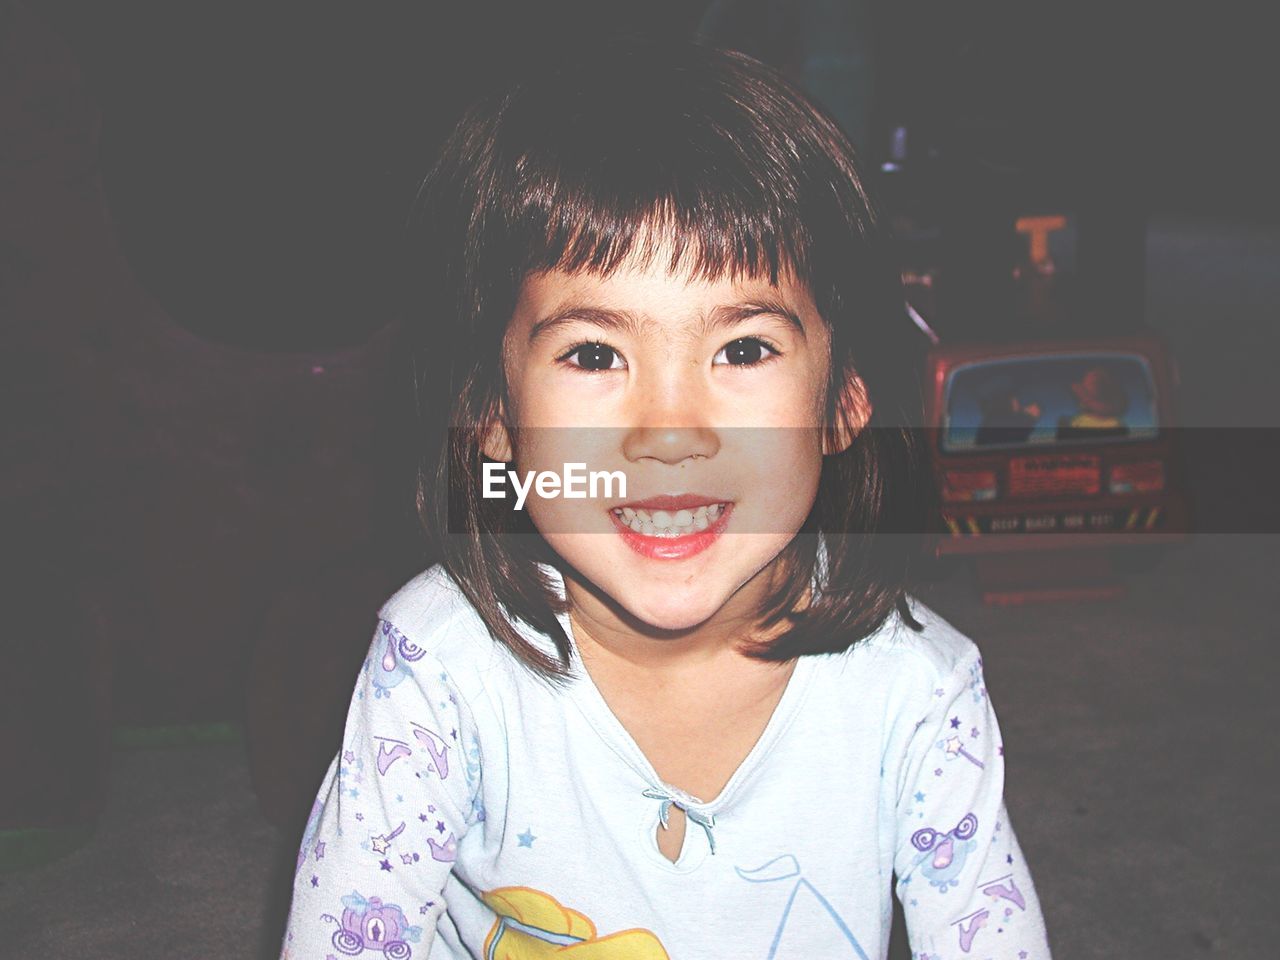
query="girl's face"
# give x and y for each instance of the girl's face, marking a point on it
(709, 396)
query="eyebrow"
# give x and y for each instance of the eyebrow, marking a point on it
(625, 320)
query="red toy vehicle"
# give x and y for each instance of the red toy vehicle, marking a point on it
(1050, 447)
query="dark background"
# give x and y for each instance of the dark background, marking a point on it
(259, 158)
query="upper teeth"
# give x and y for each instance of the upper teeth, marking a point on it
(663, 523)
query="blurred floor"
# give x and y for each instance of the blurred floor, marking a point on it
(182, 865)
(1142, 769)
(1139, 731)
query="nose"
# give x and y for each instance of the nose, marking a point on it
(668, 408)
(669, 425)
(670, 444)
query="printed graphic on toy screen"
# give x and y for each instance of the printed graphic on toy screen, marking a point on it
(1050, 400)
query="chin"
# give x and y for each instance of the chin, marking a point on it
(682, 599)
(668, 613)
(664, 599)
(671, 595)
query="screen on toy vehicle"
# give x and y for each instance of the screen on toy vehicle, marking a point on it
(1049, 401)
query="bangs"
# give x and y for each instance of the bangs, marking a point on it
(590, 165)
(583, 233)
(655, 195)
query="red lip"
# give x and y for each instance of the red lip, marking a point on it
(672, 548)
(670, 503)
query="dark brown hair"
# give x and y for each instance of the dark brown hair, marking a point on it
(577, 165)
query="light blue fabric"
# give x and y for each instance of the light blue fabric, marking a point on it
(471, 801)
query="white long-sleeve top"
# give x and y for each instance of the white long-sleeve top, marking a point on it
(477, 811)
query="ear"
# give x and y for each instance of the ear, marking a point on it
(853, 411)
(495, 441)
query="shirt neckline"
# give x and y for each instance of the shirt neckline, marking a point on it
(601, 718)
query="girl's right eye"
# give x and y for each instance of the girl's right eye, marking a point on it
(593, 357)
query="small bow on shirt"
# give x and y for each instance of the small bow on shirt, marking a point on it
(707, 823)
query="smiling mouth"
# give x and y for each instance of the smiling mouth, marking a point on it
(672, 528)
(670, 524)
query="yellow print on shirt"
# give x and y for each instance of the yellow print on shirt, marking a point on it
(532, 925)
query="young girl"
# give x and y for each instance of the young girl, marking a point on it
(698, 716)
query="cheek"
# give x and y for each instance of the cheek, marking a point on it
(545, 396)
(780, 469)
(531, 402)
(552, 446)
(573, 454)
(797, 399)
(798, 464)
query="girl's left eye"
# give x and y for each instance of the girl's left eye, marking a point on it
(745, 352)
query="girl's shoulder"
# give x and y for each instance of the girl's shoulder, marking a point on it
(895, 679)
(433, 614)
(926, 658)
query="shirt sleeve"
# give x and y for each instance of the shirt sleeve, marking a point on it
(965, 889)
(383, 833)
